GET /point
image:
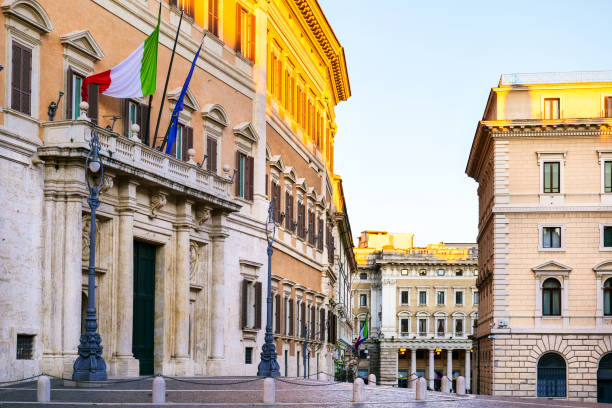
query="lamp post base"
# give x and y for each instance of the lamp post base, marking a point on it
(90, 366)
(268, 366)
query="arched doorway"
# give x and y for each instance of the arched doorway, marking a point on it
(551, 376)
(604, 379)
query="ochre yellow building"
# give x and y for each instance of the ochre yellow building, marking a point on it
(421, 302)
(542, 157)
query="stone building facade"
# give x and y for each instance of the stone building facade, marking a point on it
(422, 303)
(542, 157)
(180, 241)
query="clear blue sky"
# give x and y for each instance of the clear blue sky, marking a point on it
(420, 73)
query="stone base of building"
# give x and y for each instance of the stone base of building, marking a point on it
(514, 362)
(124, 366)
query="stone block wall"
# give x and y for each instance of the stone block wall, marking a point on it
(388, 366)
(516, 358)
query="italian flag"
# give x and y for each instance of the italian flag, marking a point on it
(363, 334)
(134, 77)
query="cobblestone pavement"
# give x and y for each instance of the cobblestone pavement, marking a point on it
(248, 392)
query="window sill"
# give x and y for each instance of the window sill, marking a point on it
(552, 317)
(605, 249)
(562, 249)
(244, 200)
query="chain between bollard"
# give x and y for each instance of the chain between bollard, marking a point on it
(212, 383)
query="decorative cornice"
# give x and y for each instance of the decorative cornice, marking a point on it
(84, 42)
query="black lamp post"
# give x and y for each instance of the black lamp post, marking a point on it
(90, 365)
(268, 367)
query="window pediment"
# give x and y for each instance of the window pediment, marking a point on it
(289, 173)
(404, 314)
(551, 268)
(30, 12)
(246, 131)
(604, 267)
(84, 42)
(216, 114)
(190, 100)
(277, 162)
(301, 184)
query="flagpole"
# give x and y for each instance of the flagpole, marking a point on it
(165, 139)
(161, 107)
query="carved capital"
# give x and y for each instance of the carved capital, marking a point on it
(202, 214)
(158, 200)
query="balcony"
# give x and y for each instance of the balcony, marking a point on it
(70, 139)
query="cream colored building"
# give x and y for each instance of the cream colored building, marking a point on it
(181, 264)
(542, 157)
(422, 302)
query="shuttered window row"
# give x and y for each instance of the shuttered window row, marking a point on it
(311, 227)
(301, 220)
(289, 211)
(21, 78)
(275, 190)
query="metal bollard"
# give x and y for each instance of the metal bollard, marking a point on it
(43, 389)
(421, 389)
(372, 380)
(269, 391)
(461, 385)
(358, 390)
(446, 384)
(159, 390)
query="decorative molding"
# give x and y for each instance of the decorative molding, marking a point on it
(84, 42)
(216, 114)
(551, 267)
(202, 214)
(107, 184)
(30, 12)
(190, 101)
(246, 131)
(158, 200)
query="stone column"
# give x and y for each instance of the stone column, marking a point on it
(449, 363)
(73, 281)
(413, 368)
(467, 373)
(183, 364)
(430, 370)
(124, 363)
(217, 293)
(388, 366)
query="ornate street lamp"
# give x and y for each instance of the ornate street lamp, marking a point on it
(90, 365)
(268, 367)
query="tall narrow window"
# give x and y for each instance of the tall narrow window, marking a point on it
(213, 17)
(608, 107)
(76, 81)
(245, 33)
(440, 297)
(244, 176)
(21, 78)
(422, 327)
(422, 297)
(551, 297)
(288, 211)
(404, 326)
(440, 327)
(551, 108)
(475, 295)
(552, 177)
(607, 296)
(211, 151)
(459, 327)
(551, 237)
(608, 176)
(404, 296)
(363, 300)
(459, 298)
(185, 5)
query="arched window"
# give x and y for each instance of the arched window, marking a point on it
(604, 379)
(607, 295)
(551, 376)
(551, 297)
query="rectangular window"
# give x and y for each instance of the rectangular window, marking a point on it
(458, 272)
(404, 272)
(251, 304)
(422, 297)
(607, 237)
(551, 108)
(245, 33)
(422, 327)
(552, 180)
(608, 177)
(21, 78)
(25, 346)
(77, 81)
(244, 176)
(213, 17)
(608, 107)
(459, 327)
(178, 144)
(248, 355)
(363, 300)
(404, 326)
(440, 327)
(361, 324)
(459, 298)
(404, 296)
(133, 115)
(475, 295)
(551, 237)
(211, 151)
(440, 298)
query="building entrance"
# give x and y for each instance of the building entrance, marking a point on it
(144, 306)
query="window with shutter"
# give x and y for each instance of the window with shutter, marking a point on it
(245, 32)
(303, 320)
(277, 300)
(213, 17)
(211, 151)
(291, 317)
(313, 322)
(92, 113)
(322, 324)
(143, 121)
(244, 303)
(186, 143)
(320, 235)
(250, 177)
(21, 78)
(258, 305)
(288, 210)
